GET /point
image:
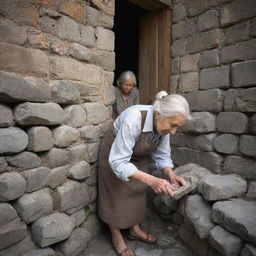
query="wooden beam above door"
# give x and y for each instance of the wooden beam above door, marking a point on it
(152, 4)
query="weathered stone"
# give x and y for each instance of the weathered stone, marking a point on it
(92, 16)
(3, 164)
(253, 28)
(51, 229)
(236, 33)
(201, 142)
(252, 189)
(6, 117)
(175, 66)
(79, 171)
(39, 114)
(73, 9)
(248, 250)
(38, 40)
(104, 126)
(209, 59)
(14, 88)
(226, 143)
(39, 139)
(77, 153)
(7, 214)
(214, 78)
(92, 152)
(70, 197)
(109, 77)
(75, 244)
(107, 7)
(210, 100)
(92, 180)
(253, 124)
(224, 242)
(248, 145)
(78, 217)
(240, 51)
(179, 47)
(34, 205)
(49, 25)
(237, 216)
(90, 133)
(208, 20)
(41, 252)
(104, 39)
(77, 116)
(58, 176)
(80, 52)
(200, 122)
(55, 157)
(165, 204)
(183, 29)
(143, 252)
(165, 240)
(243, 73)
(36, 178)
(189, 82)
(204, 41)
(65, 92)
(67, 68)
(64, 136)
(178, 139)
(93, 226)
(211, 161)
(59, 47)
(105, 59)
(182, 155)
(219, 187)
(109, 95)
(179, 12)
(232, 122)
(186, 189)
(32, 61)
(96, 112)
(189, 63)
(237, 11)
(87, 36)
(12, 186)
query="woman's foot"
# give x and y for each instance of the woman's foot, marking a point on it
(137, 233)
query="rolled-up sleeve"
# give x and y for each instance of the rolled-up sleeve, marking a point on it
(122, 147)
(162, 153)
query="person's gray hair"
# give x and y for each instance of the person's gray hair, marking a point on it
(126, 75)
(171, 105)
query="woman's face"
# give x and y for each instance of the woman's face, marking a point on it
(126, 86)
(169, 124)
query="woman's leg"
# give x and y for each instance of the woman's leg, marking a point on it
(136, 231)
(119, 243)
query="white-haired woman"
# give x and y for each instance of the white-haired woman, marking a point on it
(139, 132)
(127, 93)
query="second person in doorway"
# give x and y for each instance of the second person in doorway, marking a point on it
(127, 94)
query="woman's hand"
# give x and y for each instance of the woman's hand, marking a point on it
(176, 181)
(161, 186)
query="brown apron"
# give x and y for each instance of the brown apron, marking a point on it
(122, 204)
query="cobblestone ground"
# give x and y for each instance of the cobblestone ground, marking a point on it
(168, 242)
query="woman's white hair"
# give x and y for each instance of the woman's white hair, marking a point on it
(171, 105)
(126, 75)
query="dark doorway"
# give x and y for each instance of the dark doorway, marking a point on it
(126, 29)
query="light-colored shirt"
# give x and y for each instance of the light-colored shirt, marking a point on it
(128, 129)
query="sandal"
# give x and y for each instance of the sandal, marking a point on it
(146, 240)
(125, 250)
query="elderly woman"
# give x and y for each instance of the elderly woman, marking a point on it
(127, 93)
(139, 132)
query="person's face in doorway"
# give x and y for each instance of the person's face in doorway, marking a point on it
(126, 87)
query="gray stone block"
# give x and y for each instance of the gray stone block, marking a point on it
(77, 153)
(23, 161)
(174, 83)
(12, 186)
(240, 51)
(183, 29)
(214, 78)
(51, 229)
(248, 145)
(181, 191)
(58, 176)
(248, 250)
(6, 117)
(90, 133)
(49, 25)
(200, 122)
(219, 187)
(253, 27)
(236, 33)
(202, 142)
(199, 213)
(166, 240)
(178, 139)
(104, 39)
(237, 11)
(92, 180)
(75, 244)
(39, 114)
(226, 143)
(242, 166)
(36, 178)
(77, 116)
(106, 21)
(232, 122)
(251, 189)
(182, 155)
(209, 100)
(70, 197)
(179, 12)
(211, 161)
(236, 216)
(104, 59)
(65, 92)
(32, 206)
(78, 217)
(165, 204)
(224, 242)
(55, 157)
(92, 16)
(189, 82)
(209, 59)
(175, 65)
(93, 226)
(87, 36)
(80, 52)
(39, 139)
(208, 20)
(179, 47)
(79, 171)
(92, 152)
(109, 95)
(3, 164)
(7, 214)
(253, 124)
(64, 135)
(41, 252)
(243, 73)
(12, 140)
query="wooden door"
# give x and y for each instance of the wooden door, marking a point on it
(154, 54)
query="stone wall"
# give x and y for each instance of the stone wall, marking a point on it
(56, 74)
(214, 66)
